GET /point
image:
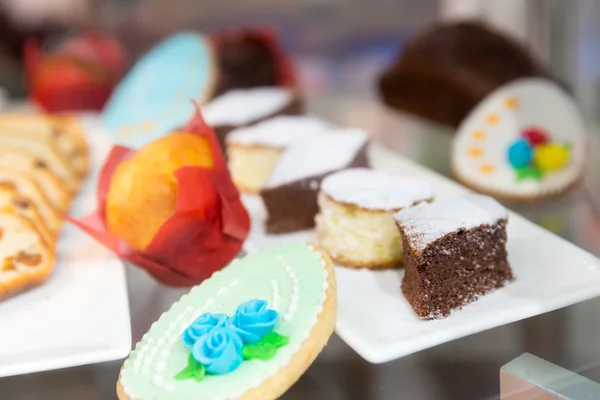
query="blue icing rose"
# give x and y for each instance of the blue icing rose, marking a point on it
(252, 321)
(203, 325)
(520, 153)
(220, 351)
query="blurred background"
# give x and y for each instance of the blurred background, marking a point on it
(357, 37)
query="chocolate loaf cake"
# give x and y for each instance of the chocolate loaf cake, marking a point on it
(447, 70)
(245, 60)
(245, 107)
(290, 195)
(454, 252)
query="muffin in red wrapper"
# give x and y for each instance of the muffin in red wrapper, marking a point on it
(80, 74)
(205, 232)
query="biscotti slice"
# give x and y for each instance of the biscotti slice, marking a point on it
(64, 131)
(12, 201)
(454, 252)
(253, 151)
(26, 186)
(290, 195)
(26, 260)
(245, 107)
(45, 153)
(355, 222)
(52, 187)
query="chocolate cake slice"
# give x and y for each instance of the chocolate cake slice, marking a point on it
(454, 252)
(290, 195)
(245, 107)
(245, 60)
(448, 69)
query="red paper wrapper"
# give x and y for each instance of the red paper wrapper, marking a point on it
(286, 72)
(206, 231)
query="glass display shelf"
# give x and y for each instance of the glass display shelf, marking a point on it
(468, 368)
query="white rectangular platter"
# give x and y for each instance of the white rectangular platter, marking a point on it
(378, 323)
(81, 314)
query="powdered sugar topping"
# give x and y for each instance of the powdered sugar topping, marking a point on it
(376, 190)
(425, 223)
(319, 155)
(241, 107)
(278, 132)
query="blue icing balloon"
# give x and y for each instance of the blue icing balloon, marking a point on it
(155, 96)
(520, 153)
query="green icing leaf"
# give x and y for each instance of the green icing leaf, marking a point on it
(528, 173)
(200, 372)
(266, 348)
(193, 370)
(260, 350)
(275, 339)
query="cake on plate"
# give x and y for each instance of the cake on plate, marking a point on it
(526, 141)
(253, 151)
(445, 71)
(244, 107)
(290, 194)
(355, 223)
(454, 252)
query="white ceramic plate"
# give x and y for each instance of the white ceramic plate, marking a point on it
(81, 314)
(378, 323)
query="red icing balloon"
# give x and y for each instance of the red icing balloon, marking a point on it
(535, 136)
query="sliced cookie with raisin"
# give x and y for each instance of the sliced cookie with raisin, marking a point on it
(12, 201)
(25, 260)
(65, 132)
(26, 187)
(52, 187)
(45, 152)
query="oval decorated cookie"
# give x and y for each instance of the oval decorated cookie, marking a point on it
(248, 332)
(525, 141)
(155, 97)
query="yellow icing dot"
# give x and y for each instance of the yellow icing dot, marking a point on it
(479, 135)
(551, 157)
(147, 126)
(492, 119)
(512, 102)
(487, 168)
(475, 152)
(126, 131)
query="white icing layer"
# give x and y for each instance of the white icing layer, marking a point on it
(427, 222)
(319, 155)
(278, 132)
(242, 107)
(376, 190)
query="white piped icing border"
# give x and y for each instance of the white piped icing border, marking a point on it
(169, 384)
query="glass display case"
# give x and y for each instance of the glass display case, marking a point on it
(340, 48)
